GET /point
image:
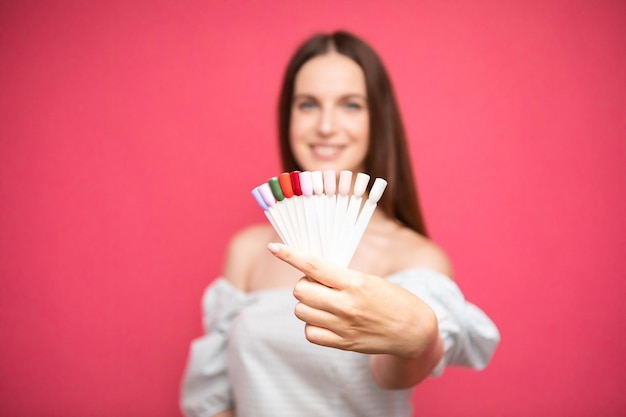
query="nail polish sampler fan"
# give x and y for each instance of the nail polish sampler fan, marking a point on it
(310, 211)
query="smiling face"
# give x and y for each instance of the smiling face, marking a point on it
(329, 126)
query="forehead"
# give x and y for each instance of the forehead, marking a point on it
(331, 73)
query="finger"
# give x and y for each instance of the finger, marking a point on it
(315, 294)
(322, 271)
(323, 337)
(321, 297)
(315, 317)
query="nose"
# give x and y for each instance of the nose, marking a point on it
(327, 124)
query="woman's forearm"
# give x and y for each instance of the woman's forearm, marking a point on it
(395, 372)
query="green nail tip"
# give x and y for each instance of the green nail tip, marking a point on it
(276, 190)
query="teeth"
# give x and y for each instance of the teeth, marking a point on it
(325, 150)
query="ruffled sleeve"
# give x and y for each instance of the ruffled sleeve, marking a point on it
(469, 336)
(205, 390)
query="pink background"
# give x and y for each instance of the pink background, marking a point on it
(132, 133)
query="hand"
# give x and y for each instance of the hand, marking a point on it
(350, 310)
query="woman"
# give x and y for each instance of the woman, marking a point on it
(371, 332)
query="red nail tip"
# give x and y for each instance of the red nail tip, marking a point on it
(295, 182)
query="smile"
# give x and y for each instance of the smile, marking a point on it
(326, 151)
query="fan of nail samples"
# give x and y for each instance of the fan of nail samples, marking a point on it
(321, 213)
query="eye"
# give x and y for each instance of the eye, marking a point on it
(353, 105)
(305, 104)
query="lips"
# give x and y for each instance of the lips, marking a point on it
(326, 151)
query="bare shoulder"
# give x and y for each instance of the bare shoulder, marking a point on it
(244, 249)
(412, 250)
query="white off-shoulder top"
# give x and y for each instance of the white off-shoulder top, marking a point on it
(255, 359)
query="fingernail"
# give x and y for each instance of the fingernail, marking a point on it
(273, 247)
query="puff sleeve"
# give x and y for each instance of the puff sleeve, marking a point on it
(469, 336)
(205, 390)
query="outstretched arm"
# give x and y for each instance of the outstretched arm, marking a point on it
(350, 310)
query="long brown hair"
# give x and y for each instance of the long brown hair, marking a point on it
(387, 155)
